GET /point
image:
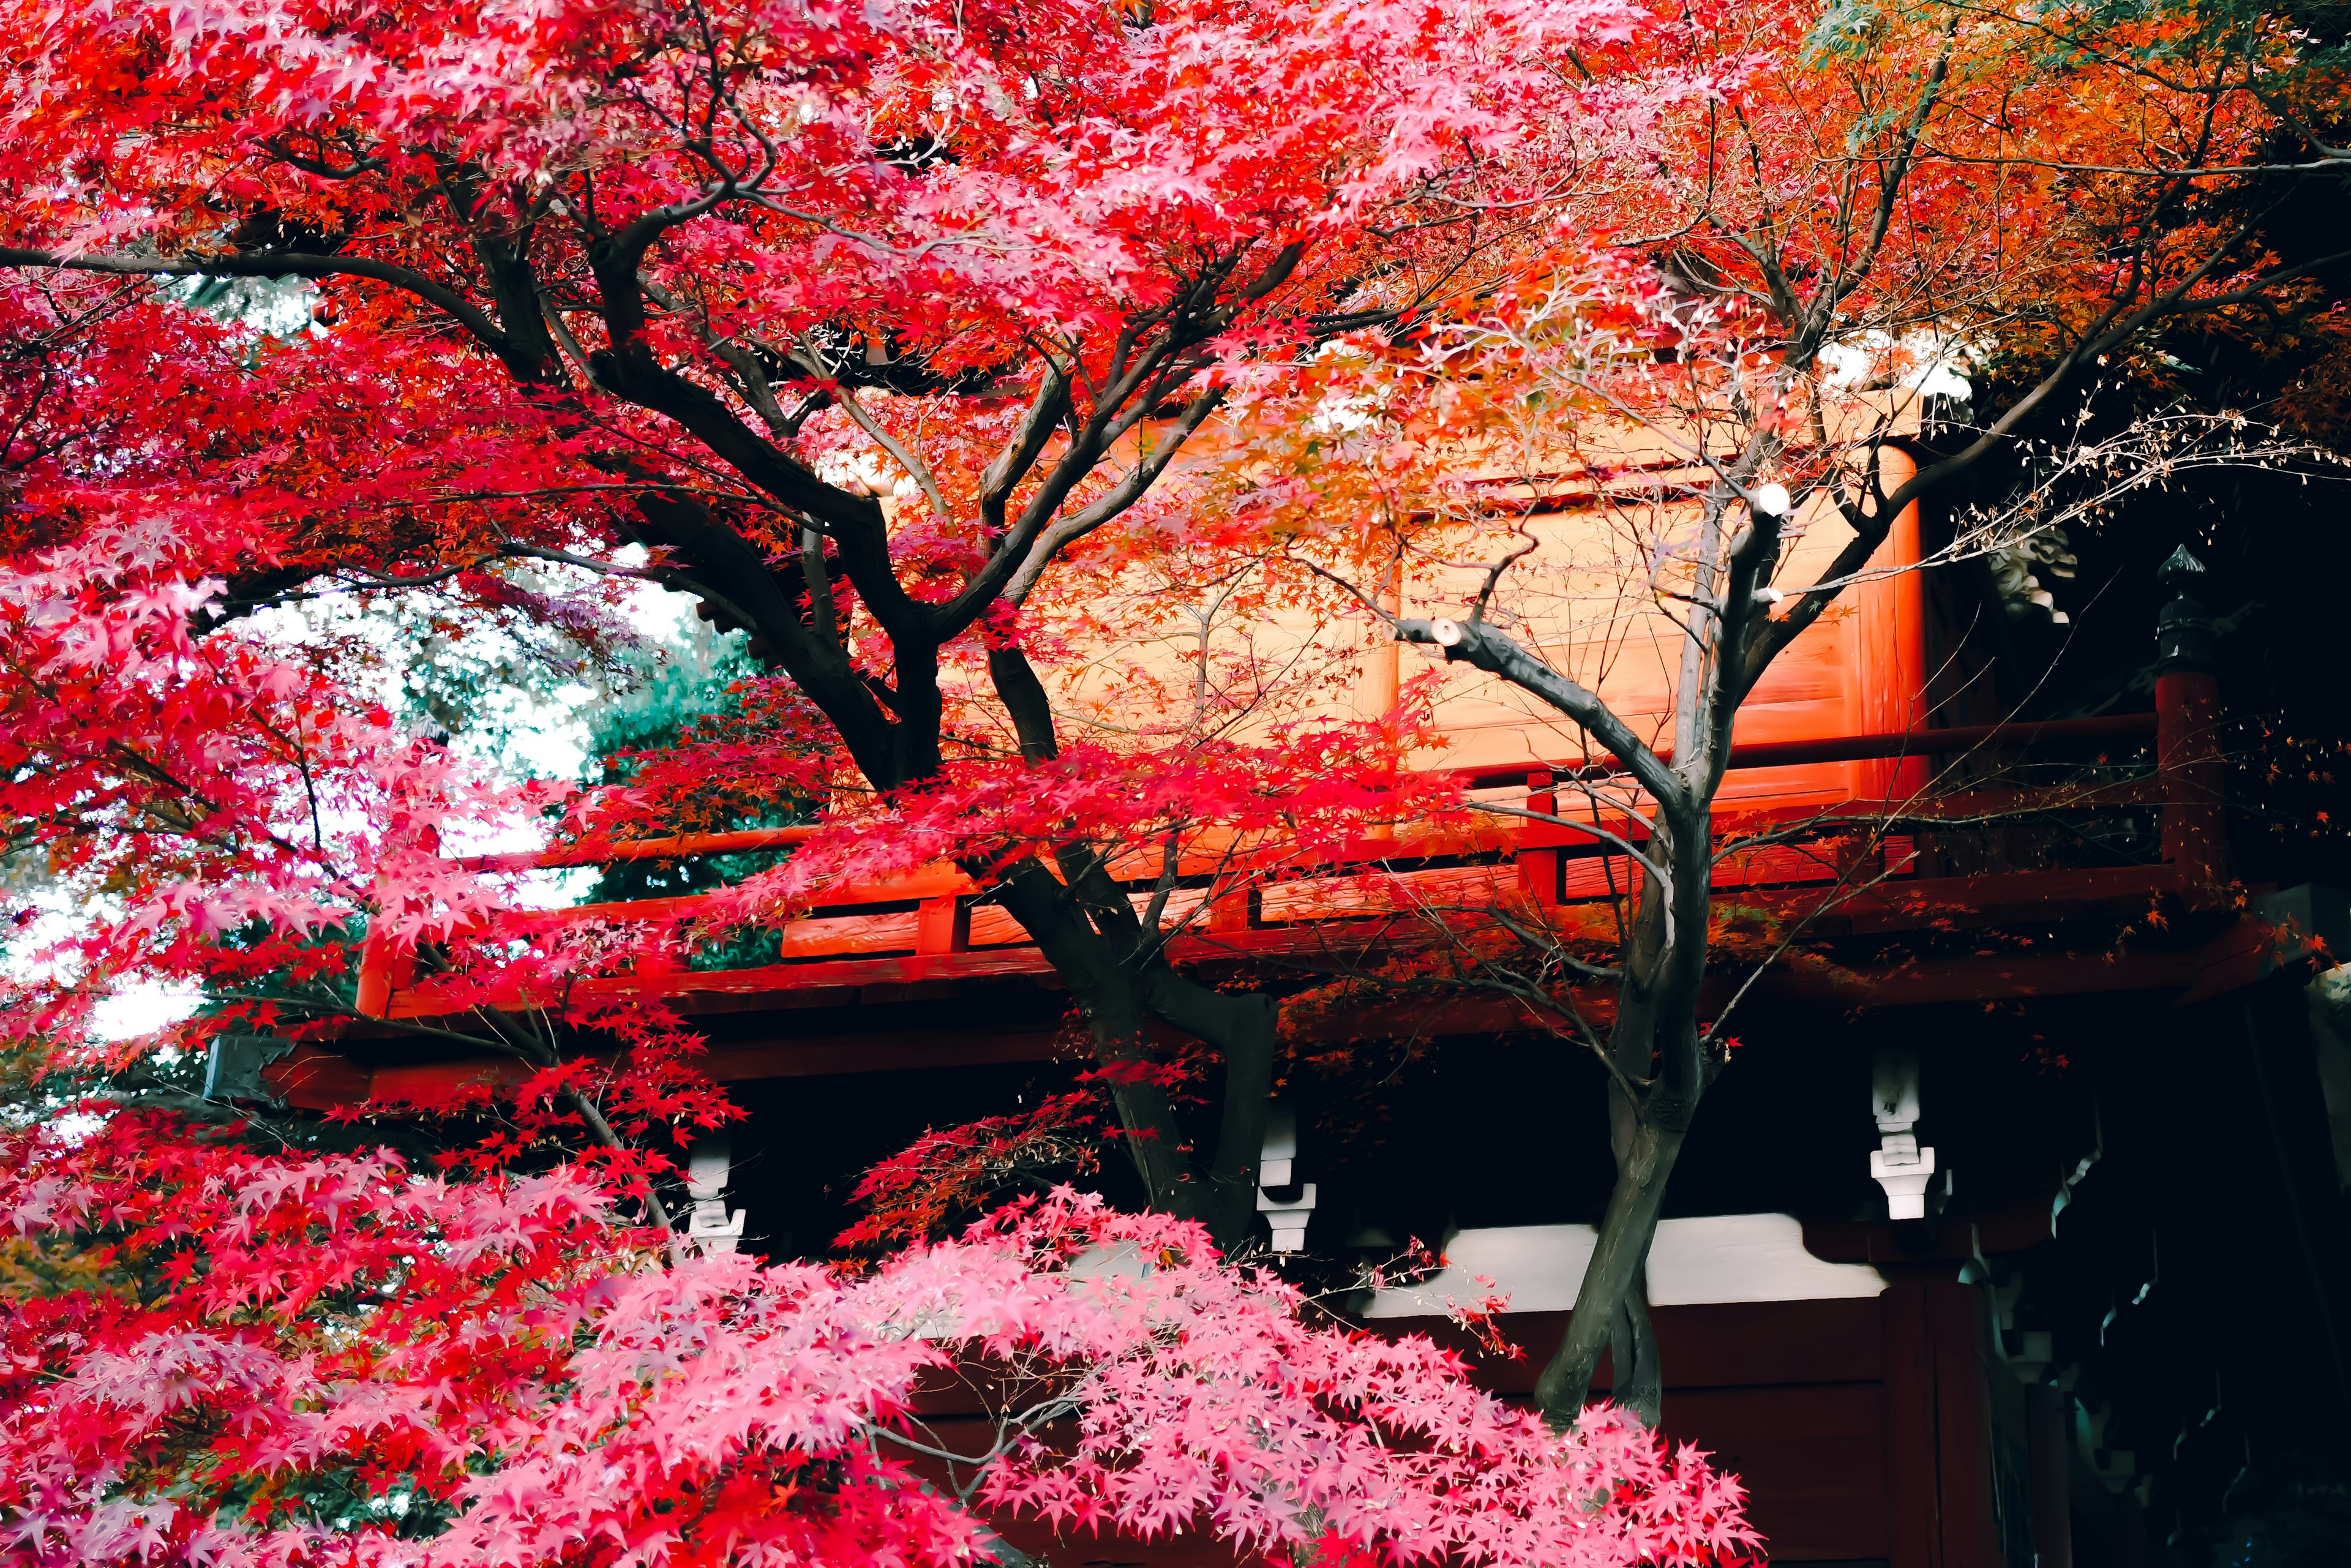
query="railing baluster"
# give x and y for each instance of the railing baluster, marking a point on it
(1539, 869)
(943, 926)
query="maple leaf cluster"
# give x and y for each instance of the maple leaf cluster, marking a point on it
(239, 1358)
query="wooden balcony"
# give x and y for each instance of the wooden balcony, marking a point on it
(1868, 872)
(1835, 753)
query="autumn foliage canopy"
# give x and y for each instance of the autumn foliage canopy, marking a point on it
(217, 1358)
(879, 331)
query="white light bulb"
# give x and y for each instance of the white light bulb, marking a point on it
(1770, 500)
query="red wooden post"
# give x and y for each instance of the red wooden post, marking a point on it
(1858, 856)
(1963, 1427)
(942, 925)
(1885, 677)
(382, 971)
(1539, 869)
(1912, 1493)
(1231, 910)
(2187, 728)
(2048, 1449)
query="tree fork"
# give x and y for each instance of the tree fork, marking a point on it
(1244, 1030)
(1640, 1375)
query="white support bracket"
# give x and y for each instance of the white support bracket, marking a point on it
(709, 1225)
(1289, 1218)
(1898, 1164)
(1277, 1167)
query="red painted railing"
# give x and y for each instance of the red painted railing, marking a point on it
(1556, 865)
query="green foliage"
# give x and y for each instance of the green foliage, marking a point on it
(671, 687)
(698, 679)
(1844, 30)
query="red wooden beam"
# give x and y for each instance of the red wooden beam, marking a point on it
(1950, 903)
(1763, 754)
(1938, 742)
(316, 1077)
(1972, 902)
(944, 930)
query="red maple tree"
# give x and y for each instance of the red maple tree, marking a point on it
(1858, 205)
(216, 1356)
(875, 330)
(850, 323)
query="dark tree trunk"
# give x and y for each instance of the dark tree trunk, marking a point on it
(1611, 1302)
(1091, 934)
(1659, 1073)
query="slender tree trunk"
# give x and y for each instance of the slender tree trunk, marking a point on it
(1619, 1265)
(1221, 1191)
(1632, 1347)
(1659, 1076)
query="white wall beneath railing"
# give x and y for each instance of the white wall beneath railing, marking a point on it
(1716, 1258)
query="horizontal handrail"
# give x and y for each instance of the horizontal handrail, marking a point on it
(941, 921)
(1759, 753)
(1845, 747)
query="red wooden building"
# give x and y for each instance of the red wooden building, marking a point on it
(1879, 1381)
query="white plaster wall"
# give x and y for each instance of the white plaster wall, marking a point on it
(1714, 1257)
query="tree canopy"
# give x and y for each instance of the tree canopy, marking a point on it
(950, 351)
